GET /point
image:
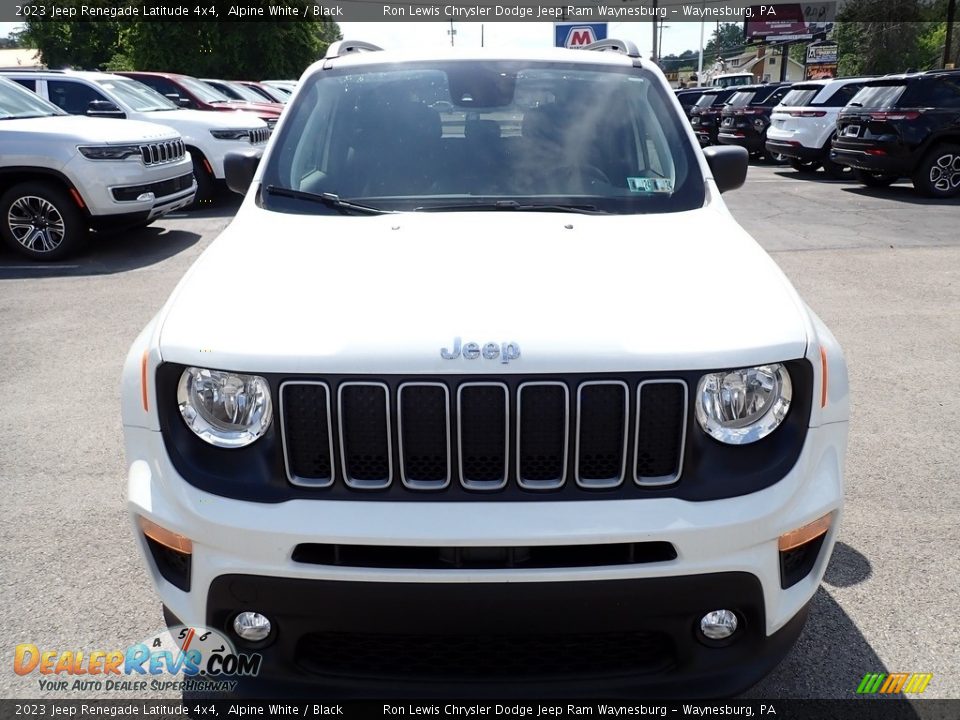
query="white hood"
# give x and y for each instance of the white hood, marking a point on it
(207, 118)
(302, 293)
(91, 129)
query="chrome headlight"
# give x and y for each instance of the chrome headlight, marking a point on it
(742, 406)
(225, 409)
(109, 152)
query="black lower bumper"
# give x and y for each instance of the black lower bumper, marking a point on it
(552, 639)
(882, 163)
(796, 152)
(751, 141)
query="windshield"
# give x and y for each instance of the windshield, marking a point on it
(800, 97)
(17, 102)
(734, 80)
(426, 135)
(706, 100)
(135, 95)
(878, 96)
(203, 91)
(246, 93)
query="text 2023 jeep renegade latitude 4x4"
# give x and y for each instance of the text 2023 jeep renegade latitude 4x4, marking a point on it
(484, 387)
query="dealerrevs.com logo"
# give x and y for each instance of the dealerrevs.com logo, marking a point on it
(182, 658)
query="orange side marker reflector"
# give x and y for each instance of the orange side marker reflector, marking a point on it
(166, 537)
(803, 535)
(76, 198)
(143, 381)
(823, 377)
(206, 164)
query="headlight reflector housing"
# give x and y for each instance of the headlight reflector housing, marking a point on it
(238, 134)
(109, 152)
(742, 406)
(225, 409)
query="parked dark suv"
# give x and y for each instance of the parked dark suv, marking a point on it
(904, 126)
(688, 97)
(746, 116)
(705, 114)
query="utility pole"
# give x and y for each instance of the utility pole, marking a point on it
(481, 34)
(948, 44)
(784, 59)
(655, 55)
(452, 33)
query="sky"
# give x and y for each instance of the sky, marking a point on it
(677, 37)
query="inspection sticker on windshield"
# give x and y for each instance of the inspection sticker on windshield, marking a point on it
(650, 185)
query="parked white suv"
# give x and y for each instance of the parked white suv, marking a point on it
(208, 135)
(61, 175)
(804, 123)
(485, 389)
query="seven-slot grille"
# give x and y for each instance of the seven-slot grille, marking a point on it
(162, 152)
(259, 135)
(482, 435)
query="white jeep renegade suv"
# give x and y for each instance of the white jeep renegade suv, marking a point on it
(484, 388)
(61, 175)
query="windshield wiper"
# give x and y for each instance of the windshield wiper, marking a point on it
(514, 205)
(853, 104)
(329, 199)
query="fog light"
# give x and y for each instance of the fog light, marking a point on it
(718, 625)
(251, 626)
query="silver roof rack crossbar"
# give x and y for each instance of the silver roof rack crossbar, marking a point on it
(344, 47)
(627, 47)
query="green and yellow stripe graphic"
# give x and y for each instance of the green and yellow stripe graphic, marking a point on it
(883, 683)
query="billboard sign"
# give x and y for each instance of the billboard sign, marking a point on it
(821, 61)
(789, 22)
(576, 35)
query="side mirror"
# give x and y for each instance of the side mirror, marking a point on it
(104, 108)
(239, 167)
(728, 163)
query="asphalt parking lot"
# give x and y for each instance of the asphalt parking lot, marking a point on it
(881, 267)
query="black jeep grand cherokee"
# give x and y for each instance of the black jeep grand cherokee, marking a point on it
(904, 126)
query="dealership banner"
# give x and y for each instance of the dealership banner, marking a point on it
(781, 19)
(541, 709)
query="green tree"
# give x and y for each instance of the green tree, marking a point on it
(726, 39)
(62, 43)
(869, 46)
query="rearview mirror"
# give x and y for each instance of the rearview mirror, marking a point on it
(728, 164)
(104, 108)
(239, 167)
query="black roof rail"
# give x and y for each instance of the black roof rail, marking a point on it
(344, 47)
(627, 47)
(29, 70)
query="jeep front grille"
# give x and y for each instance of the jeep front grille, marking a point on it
(259, 135)
(162, 152)
(483, 435)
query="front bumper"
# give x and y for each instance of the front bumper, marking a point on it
(575, 638)
(726, 553)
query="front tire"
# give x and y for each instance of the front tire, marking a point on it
(836, 170)
(938, 175)
(805, 166)
(41, 221)
(874, 180)
(206, 186)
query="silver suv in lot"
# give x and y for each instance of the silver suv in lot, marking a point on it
(61, 175)
(209, 136)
